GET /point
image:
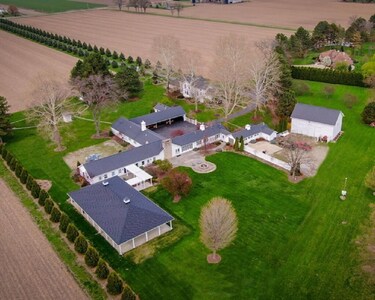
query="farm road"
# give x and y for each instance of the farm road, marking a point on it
(30, 269)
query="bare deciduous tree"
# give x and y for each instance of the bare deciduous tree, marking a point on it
(265, 73)
(168, 51)
(230, 72)
(119, 3)
(144, 4)
(51, 101)
(297, 154)
(98, 93)
(179, 7)
(219, 225)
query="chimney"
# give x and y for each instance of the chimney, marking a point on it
(143, 126)
(247, 127)
(202, 127)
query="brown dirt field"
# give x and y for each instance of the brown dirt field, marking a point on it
(133, 34)
(22, 62)
(284, 13)
(30, 269)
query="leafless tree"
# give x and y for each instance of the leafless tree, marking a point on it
(51, 101)
(119, 3)
(168, 51)
(98, 93)
(265, 73)
(230, 72)
(190, 65)
(219, 225)
(144, 4)
(297, 154)
(179, 7)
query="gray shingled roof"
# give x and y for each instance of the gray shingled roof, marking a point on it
(160, 106)
(254, 129)
(315, 114)
(160, 116)
(116, 161)
(199, 135)
(134, 131)
(122, 222)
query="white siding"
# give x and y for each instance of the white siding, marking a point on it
(317, 130)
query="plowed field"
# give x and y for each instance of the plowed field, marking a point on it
(22, 62)
(30, 269)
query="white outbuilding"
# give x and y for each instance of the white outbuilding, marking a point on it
(316, 121)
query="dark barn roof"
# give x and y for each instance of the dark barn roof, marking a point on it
(315, 114)
(160, 116)
(118, 160)
(121, 221)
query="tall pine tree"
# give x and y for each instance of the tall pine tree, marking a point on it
(5, 125)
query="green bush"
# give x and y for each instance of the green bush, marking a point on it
(24, 176)
(108, 53)
(35, 190)
(19, 170)
(91, 257)
(130, 60)
(43, 195)
(122, 56)
(138, 61)
(64, 222)
(48, 205)
(164, 165)
(80, 244)
(55, 215)
(368, 113)
(4, 153)
(102, 270)
(115, 55)
(29, 182)
(71, 232)
(128, 294)
(114, 64)
(12, 164)
(9, 158)
(114, 284)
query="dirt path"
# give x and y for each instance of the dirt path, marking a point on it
(22, 62)
(30, 269)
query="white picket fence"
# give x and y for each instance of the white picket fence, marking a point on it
(192, 121)
(266, 157)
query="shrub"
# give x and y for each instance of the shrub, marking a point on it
(115, 55)
(102, 270)
(147, 64)
(114, 284)
(24, 176)
(301, 88)
(35, 190)
(29, 182)
(71, 232)
(91, 257)
(9, 158)
(368, 113)
(128, 294)
(114, 64)
(55, 215)
(19, 170)
(12, 164)
(350, 100)
(64, 222)
(122, 56)
(43, 195)
(130, 60)
(80, 244)
(48, 205)
(328, 90)
(108, 53)
(138, 61)
(4, 153)
(164, 165)
(102, 51)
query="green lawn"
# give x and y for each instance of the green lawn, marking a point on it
(295, 241)
(51, 6)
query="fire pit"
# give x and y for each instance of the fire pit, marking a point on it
(203, 167)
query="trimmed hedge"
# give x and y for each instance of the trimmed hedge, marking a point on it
(48, 205)
(24, 176)
(43, 195)
(55, 215)
(29, 182)
(71, 232)
(19, 170)
(328, 75)
(102, 270)
(64, 222)
(91, 257)
(114, 284)
(80, 244)
(128, 294)
(35, 190)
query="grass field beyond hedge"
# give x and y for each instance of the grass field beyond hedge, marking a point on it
(295, 241)
(51, 6)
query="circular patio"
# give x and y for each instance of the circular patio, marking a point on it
(202, 166)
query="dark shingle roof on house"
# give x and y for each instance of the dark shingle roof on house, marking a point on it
(315, 114)
(121, 221)
(199, 135)
(254, 129)
(160, 116)
(134, 131)
(119, 160)
(160, 106)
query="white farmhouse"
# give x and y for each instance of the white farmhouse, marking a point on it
(316, 121)
(198, 88)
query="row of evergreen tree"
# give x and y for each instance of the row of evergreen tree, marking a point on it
(328, 75)
(115, 285)
(66, 44)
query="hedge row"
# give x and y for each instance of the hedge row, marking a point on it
(115, 285)
(64, 43)
(328, 75)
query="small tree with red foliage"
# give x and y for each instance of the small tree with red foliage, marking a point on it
(177, 183)
(13, 10)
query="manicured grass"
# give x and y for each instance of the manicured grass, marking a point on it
(68, 257)
(51, 6)
(295, 241)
